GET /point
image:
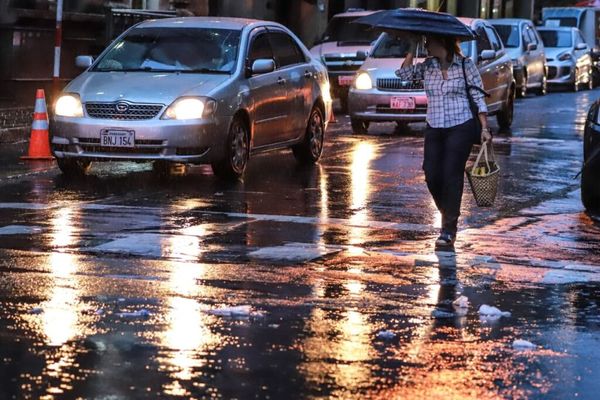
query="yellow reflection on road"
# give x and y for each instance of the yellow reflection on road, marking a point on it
(361, 188)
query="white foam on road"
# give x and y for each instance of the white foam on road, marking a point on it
(294, 252)
(19, 230)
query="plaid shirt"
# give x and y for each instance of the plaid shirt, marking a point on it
(447, 100)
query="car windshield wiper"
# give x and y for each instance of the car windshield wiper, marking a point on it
(203, 71)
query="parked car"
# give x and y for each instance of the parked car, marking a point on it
(343, 48)
(586, 19)
(378, 95)
(590, 175)
(568, 56)
(526, 50)
(196, 91)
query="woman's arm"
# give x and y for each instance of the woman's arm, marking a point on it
(474, 79)
(408, 71)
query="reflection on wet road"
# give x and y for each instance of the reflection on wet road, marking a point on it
(304, 283)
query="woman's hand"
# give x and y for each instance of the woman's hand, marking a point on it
(486, 135)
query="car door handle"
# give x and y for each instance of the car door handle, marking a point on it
(281, 81)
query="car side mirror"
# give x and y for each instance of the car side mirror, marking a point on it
(361, 55)
(263, 66)
(487, 55)
(581, 46)
(84, 62)
(532, 47)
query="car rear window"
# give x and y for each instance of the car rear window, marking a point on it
(556, 38)
(509, 35)
(343, 31)
(200, 50)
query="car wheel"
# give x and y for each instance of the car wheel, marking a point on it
(73, 168)
(237, 152)
(543, 90)
(590, 191)
(523, 89)
(505, 116)
(359, 126)
(311, 148)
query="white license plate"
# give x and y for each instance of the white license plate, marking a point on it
(117, 138)
(402, 103)
(345, 80)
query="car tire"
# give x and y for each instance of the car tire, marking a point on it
(523, 89)
(543, 90)
(505, 116)
(311, 148)
(237, 152)
(590, 191)
(359, 126)
(73, 168)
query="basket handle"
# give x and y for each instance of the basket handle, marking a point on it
(483, 152)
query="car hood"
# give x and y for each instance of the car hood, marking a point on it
(334, 48)
(554, 52)
(143, 87)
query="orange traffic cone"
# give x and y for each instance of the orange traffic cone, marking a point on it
(39, 145)
(332, 119)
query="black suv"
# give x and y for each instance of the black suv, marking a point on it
(590, 176)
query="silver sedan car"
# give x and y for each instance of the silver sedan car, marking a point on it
(194, 91)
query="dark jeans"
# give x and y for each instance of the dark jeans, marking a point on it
(446, 153)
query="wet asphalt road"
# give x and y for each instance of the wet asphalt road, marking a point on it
(121, 286)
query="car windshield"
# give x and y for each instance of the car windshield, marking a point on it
(392, 47)
(556, 38)
(194, 50)
(343, 31)
(509, 35)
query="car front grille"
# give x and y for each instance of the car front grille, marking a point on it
(133, 111)
(552, 72)
(152, 147)
(399, 84)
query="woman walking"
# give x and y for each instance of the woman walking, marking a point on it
(451, 127)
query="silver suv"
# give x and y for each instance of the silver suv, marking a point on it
(194, 90)
(343, 48)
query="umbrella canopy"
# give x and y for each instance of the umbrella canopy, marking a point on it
(418, 21)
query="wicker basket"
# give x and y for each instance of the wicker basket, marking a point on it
(485, 186)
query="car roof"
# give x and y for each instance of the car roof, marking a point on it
(201, 22)
(557, 28)
(356, 13)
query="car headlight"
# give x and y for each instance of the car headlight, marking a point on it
(363, 81)
(565, 57)
(68, 105)
(190, 108)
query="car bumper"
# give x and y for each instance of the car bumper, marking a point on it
(374, 105)
(194, 141)
(560, 73)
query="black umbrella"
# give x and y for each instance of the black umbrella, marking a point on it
(418, 21)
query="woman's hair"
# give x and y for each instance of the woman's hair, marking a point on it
(451, 44)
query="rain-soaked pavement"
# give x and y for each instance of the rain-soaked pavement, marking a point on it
(304, 283)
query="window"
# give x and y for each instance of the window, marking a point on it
(391, 46)
(509, 34)
(532, 36)
(483, 43)
(494, 39)
(285, 49)
(260, 48)
(196, 50)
